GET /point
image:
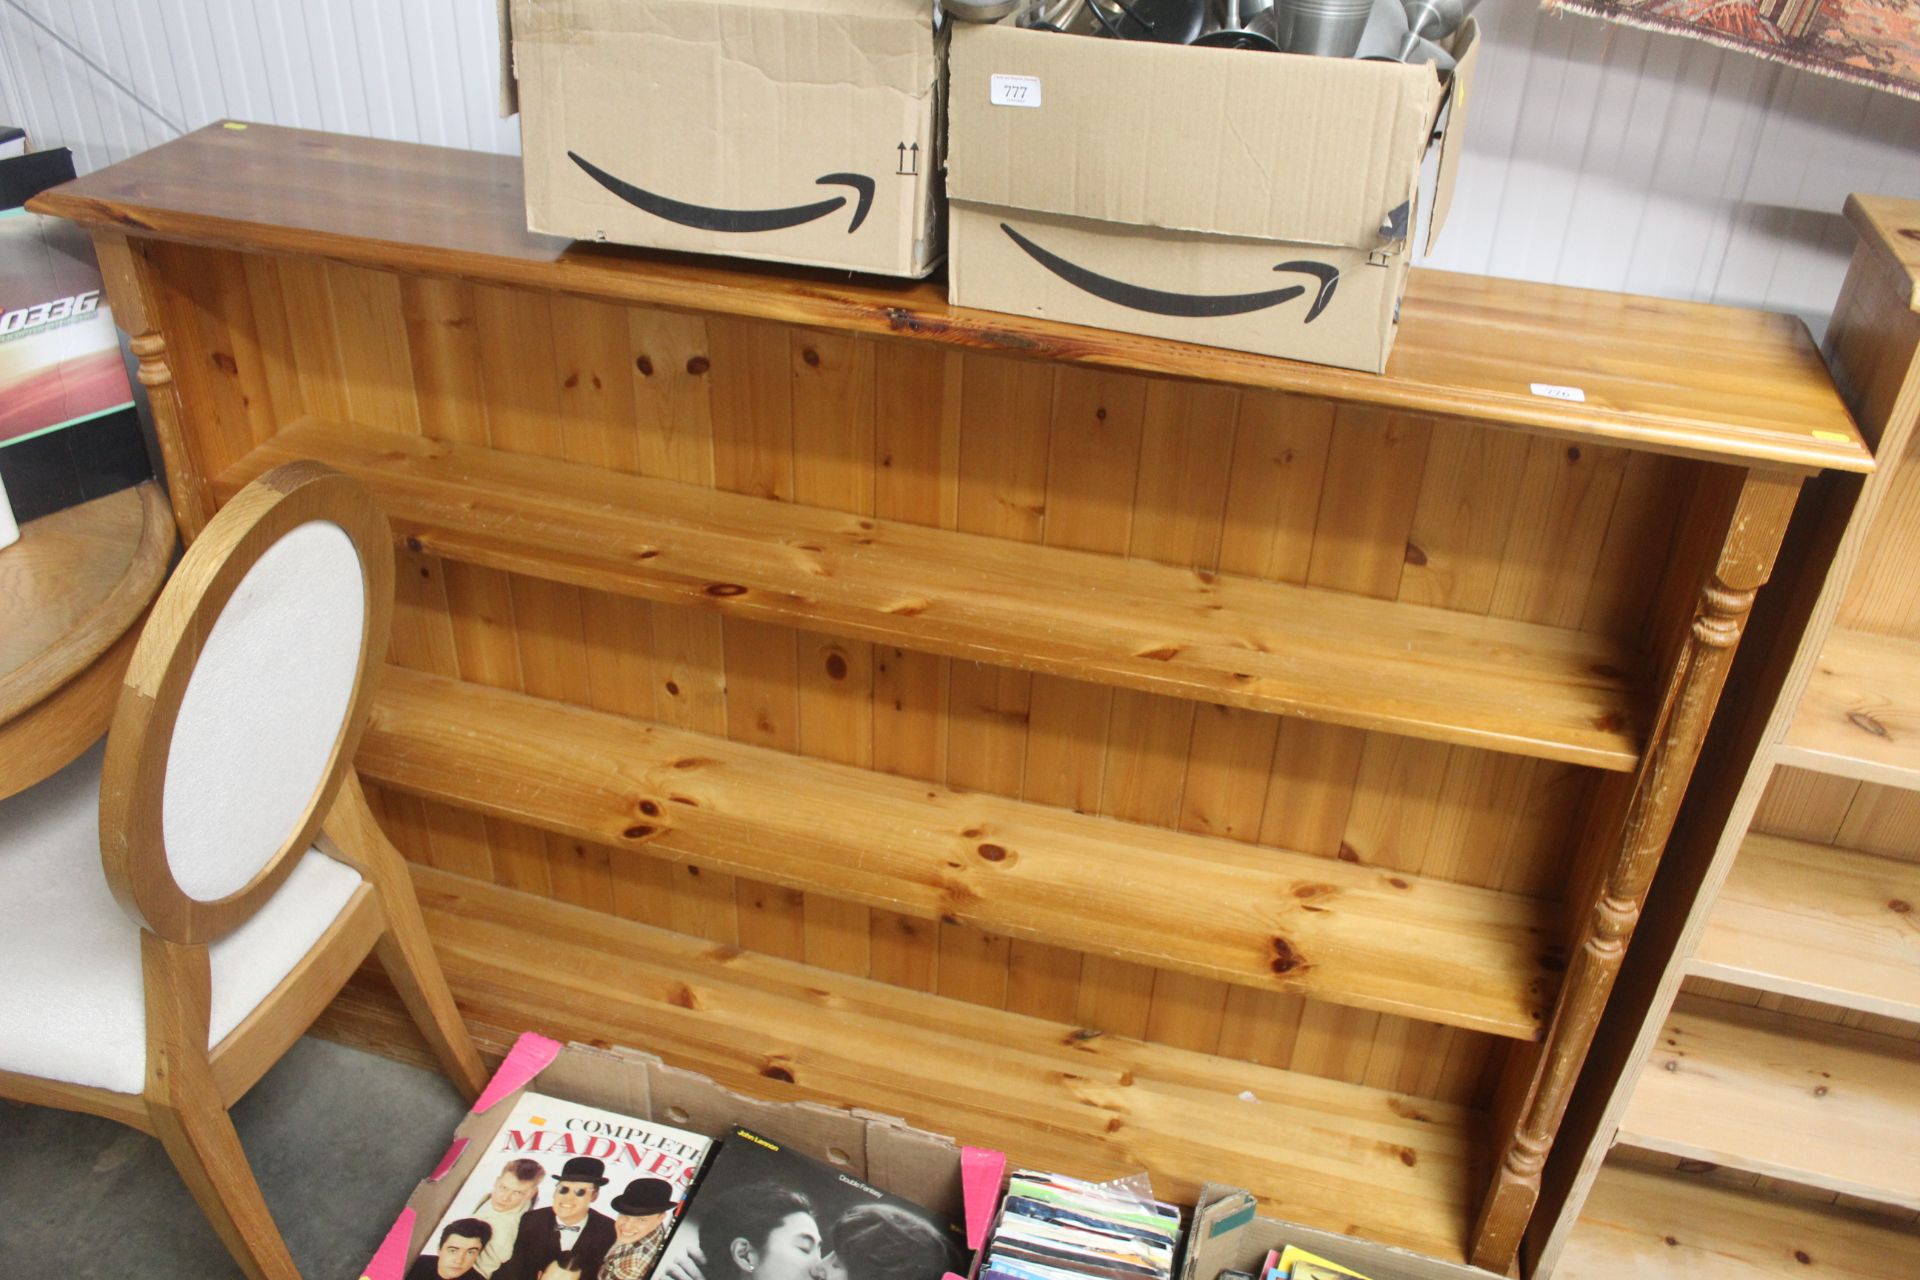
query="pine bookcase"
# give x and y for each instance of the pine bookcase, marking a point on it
(1128, 753)
(1759, 1062)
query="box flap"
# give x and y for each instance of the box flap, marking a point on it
(1273, 146)
(1466, 50)
(701, 56)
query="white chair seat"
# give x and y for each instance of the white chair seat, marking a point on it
(71, 1005)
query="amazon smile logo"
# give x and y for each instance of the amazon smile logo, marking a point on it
(1189, 305)
(738, 221)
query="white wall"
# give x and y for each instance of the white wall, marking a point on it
(1598, 155)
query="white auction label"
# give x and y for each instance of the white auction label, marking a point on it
(1552, 392)
(1016, 91)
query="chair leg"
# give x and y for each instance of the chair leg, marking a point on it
(405, 950)
(407, 956)
(204, 1147)
(187, 1114)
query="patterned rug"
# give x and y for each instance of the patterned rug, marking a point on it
(1871, 42)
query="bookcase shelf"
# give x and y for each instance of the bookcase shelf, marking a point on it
(1373, 1162)
(1819, 923)
(1822, 1106)
(1431, 673)
(1644, 1222)
(1860, 716)
(1360, 936)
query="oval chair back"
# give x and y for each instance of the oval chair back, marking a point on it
(244, 702)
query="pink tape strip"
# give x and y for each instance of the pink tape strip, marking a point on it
(981, 1171)
(448, 1160)
(390, 1259)
(531, 1054)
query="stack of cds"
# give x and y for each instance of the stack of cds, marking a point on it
(1058, 1228)
(1295, 1263)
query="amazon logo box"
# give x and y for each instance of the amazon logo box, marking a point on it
(803, 131)
(1258, 201)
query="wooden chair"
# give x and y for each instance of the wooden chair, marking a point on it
(156, 984)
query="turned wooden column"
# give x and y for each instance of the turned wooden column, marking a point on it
(132, 294)
(1758, 522)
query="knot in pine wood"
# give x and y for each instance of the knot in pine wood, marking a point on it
(1866, 723)
(1285, 959)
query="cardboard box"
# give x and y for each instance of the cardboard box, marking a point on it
(935, 1171)
(1251, 200)
(803, 131)
(1228, 1234)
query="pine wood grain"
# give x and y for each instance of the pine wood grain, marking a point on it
(1468, 346)
(1365, 1161)
(1406, 668)
(945, 430)
(1817, 922)
(1860, 715)
(1643, 1223)
(1813, 1104)
(1366, 936)
(73, 585)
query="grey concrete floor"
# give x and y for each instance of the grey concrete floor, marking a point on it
(337, 1138)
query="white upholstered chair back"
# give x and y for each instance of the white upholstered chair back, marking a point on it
(244, 702)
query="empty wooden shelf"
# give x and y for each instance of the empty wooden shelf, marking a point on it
(1643, 1222)
(1267, 646)
(1266, 918)
(1860, 715)
(1817, 922)
(1385, 1164)
(1821, 1106)
(1309, 730)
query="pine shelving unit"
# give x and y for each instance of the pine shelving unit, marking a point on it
(1129, 753)
(1769, 1027)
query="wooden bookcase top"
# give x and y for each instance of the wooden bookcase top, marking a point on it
(1665, 376)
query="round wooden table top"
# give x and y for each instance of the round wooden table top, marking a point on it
(71, 591)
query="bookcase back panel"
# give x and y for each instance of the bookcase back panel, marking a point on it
(1288, 488)
(1841, 812)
